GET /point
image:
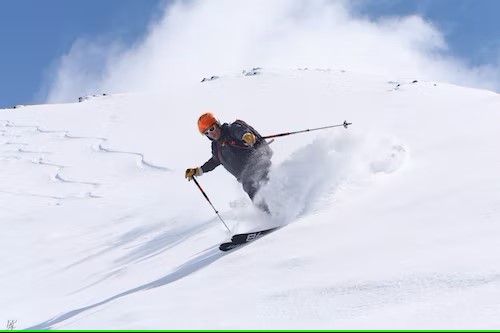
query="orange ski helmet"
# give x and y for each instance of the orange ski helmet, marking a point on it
(205, 121)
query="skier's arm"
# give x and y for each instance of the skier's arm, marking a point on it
(210, 165)
(213, 162)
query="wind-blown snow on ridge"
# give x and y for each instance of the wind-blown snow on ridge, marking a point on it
(392, 223)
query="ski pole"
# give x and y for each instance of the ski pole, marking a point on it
(345, 124)
(206, 197)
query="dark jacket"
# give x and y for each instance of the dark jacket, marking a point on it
(240, 160)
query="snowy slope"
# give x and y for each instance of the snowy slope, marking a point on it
(390, 224)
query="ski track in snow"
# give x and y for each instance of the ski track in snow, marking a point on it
(141, 156)
(58, 176)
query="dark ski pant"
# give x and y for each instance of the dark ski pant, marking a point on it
(255, 180)
(252, 187)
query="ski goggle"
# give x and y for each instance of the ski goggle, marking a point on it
(210, 130)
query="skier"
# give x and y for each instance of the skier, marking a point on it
(240, 149)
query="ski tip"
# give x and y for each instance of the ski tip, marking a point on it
(229, 246)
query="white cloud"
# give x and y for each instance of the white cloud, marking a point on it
(83, 69)
(203, 38)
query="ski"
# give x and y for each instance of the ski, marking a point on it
(242, 239)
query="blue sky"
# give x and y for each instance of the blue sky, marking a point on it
(471, 27)
(34, 34)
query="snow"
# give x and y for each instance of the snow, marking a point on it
(390, 224)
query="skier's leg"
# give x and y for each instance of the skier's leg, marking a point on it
(251, 188)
